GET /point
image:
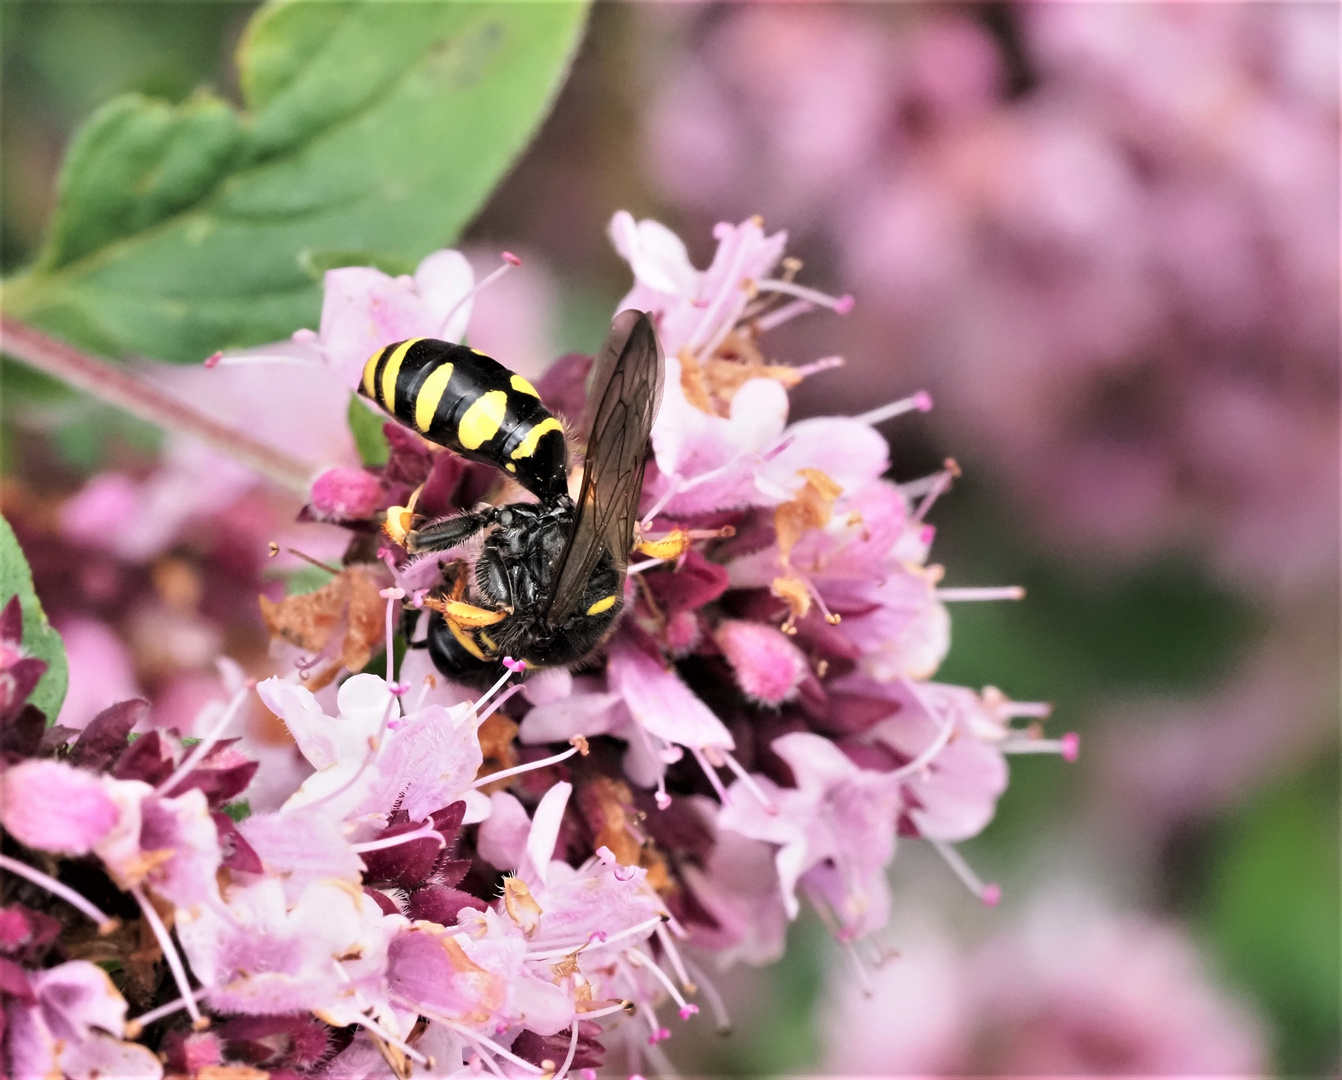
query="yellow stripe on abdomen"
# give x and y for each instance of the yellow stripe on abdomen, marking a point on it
(370, 373)
(527, 447)
(481, 421)
(522, 386)
(604, 604)
(391, 371)
(430, 394)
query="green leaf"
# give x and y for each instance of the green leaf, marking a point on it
(366, 427)
(370, 125)
(1271, 912)
(240, 810)
(39, 639)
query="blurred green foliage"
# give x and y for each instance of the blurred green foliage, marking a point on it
(1269, 907)
(366, 427)
(181, 229)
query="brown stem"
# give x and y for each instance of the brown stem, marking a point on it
(110, 384)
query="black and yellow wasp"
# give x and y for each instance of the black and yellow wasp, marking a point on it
(548, 582)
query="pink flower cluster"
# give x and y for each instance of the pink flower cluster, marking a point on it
(518, 881)
(1106, 236)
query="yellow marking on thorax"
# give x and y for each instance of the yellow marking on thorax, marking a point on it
(522, 386)
(482, 419)
(604, 604)
(391, 371)
(370, 373)
(430, 394)
(528, 445)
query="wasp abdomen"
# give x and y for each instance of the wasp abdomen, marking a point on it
(472, 404)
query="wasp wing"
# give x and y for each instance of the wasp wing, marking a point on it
(622, 404)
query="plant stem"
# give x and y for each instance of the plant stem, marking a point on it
(140, 399)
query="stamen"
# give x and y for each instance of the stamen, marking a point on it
(770, 807)
(508, 663)
(841, 304)
(914, 767)
(391, 596)
(555, 952)
(497, 704)
(677, 482)
(530, 766)
(662, 798)
(170, 955)
(136, 1025)
(106, 923)
(572, 1053)
(859, 968)
(940, 485)
(673, 954)
(830, 617)
(1002, 592)
(1037, 710)
(1068, 747)
(719, 1007)
(428, 832)
(919, 402)
(989, 893)
(640, 959)
(712, 775)
(626, 1007)
(205, 745)
(387, 1037)
(815, 367)
(769, 320)
(509, 261)
(276, 548)
(429, 684)
(221, 359)
(711, 312)
(483, 1040)
(646, 564)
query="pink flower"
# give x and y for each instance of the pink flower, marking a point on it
(694, 309)
(364, 309)
(344, 494)
(326, 953)
(739, 887)
(1076, 989)
(767, 665)
(52, 807)
(73, 1027)
(370, 757)
(837, 812)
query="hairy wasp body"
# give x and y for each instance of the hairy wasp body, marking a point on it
(548, 582)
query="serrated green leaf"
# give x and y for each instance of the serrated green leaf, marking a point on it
(366, 427)
(316, 263)
(370, 125)
(39, 639)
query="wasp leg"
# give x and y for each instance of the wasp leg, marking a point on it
(449, 532)
(491, 578)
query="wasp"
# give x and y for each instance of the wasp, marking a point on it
(548, 582)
